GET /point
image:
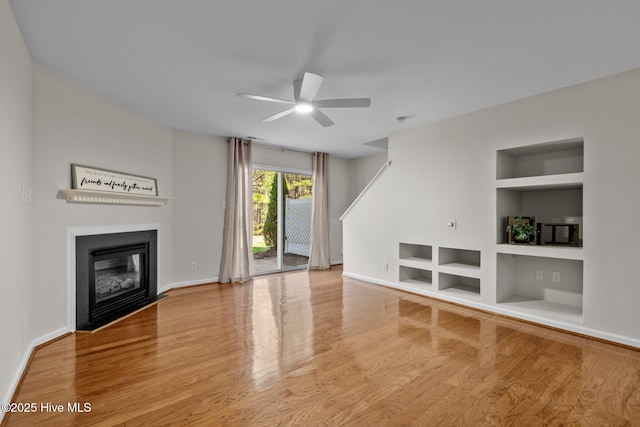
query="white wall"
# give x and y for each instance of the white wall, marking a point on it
(362, 170)
(339, 200)
(447, 170)
(199, 189)
(15, 172)
(72, 124)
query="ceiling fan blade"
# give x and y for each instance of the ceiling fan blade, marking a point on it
(279, 115)
(265, 98)
(307, 87)
(343, 103)
(321, 118)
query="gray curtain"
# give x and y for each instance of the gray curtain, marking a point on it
(237, 258)
(319, 252)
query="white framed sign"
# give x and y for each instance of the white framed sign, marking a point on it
(90, 178)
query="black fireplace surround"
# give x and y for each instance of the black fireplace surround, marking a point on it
(116, 274)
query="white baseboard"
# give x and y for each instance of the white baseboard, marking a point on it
(368, 279)
(579, 329)
(25, 361)
(170, 286)
(176, 285)
(48, 337)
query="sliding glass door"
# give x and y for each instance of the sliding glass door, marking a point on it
(281, 220)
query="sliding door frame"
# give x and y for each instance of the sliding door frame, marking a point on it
(280, 248)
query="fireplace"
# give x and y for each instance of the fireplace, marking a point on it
(116, 274)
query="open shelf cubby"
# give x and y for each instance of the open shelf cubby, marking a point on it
(548, 206)
(558, 297)
(461, 262)
(549, 158)
(417, 253)
(415, 276)
(459, 285)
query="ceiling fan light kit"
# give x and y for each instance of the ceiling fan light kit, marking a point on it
(304, 107)
(304, 92)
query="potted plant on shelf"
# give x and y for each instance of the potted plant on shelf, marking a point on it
(522, 229)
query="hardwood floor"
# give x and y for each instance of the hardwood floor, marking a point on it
(312, 348)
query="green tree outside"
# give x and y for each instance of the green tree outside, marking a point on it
(270, 231)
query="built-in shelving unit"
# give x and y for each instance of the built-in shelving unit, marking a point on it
(545, 181)
(416, 265)
(539, 282)
(457, 271)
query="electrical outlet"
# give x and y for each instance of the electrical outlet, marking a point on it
(194, 266)
(539, 274)
(385, 266)
(555, 277)
(24, 194)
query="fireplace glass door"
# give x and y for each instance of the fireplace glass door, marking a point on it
(118, 275)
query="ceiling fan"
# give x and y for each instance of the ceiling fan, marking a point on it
(304, 90)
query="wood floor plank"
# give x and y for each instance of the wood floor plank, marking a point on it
(312, 348)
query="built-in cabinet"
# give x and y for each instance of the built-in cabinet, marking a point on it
(545, 181)
(456, 271)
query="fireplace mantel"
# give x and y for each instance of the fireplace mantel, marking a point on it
(104, 197)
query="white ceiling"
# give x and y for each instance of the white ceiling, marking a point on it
(182, 62)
